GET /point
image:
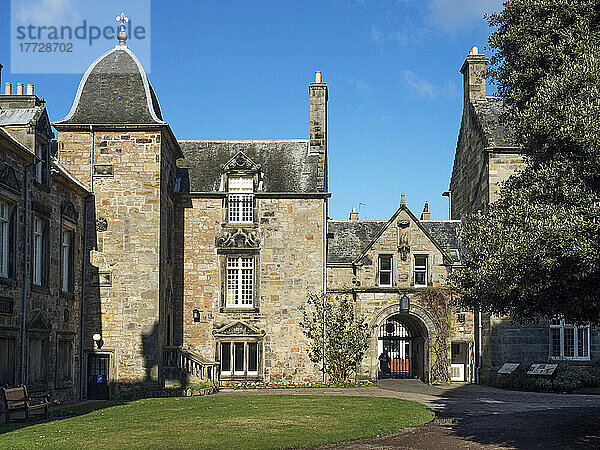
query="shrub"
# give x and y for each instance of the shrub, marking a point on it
(566, 378)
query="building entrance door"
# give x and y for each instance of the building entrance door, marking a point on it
(97, 377)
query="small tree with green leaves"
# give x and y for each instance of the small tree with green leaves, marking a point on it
(346, 335)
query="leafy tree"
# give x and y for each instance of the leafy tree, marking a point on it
(346, 335)
(536, 252)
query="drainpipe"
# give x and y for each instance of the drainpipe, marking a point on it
(478, 370)
(92, 160)
(325, 212)
(25, 269)
(82, 306)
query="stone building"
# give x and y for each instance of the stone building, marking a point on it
(395, 272)
(487, 154)
(42, 210)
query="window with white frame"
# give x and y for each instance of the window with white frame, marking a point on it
(5, 238)
(240, 201)
(385, 270)
(239, 358)
(38, 250)
(67, 260)
(420, 270)
(568, 341)
(240, 280)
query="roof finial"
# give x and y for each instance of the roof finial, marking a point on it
(122, 36)
(402, 199)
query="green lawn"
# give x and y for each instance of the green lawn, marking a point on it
(244, 421)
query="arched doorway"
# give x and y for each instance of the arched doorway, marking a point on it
(401, 348)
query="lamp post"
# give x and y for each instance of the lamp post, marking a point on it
(404, 303)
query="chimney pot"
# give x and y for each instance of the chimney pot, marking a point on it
(474, 51)
(354, 214)
(426, 215)
(318, 78)
(19, 88)
(7, 88)
(30, 89)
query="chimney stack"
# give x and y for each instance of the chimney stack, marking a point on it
(1, 66)
(19, 88)
(426, 215)
(30, 89)
(473, 71)
(7, 88)
(318, 127)
(353, 214)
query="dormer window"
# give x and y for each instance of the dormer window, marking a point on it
(241, 199)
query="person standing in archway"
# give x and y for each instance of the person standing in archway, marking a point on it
(384, 363)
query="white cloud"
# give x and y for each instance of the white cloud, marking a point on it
(360, 85)
(417, 83)
(452, 15)
(45, 12)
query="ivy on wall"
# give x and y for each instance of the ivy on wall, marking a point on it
(437, 302)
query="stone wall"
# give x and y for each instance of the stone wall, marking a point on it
(123, 301)
(290, 264)
(52, 314)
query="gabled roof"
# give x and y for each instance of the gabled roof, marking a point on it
(445, 232)
(492, 118)
(362, 237)
(114, 90)
(287, 165)
(348, 238)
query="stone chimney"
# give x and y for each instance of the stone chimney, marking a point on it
(1, 66)
(318, 127)
(353, 214)
(426, 215)
(473, 71)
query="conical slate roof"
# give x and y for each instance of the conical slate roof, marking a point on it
(114, 90)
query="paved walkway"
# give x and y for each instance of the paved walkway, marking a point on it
(471, 416)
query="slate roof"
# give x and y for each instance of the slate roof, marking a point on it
(445, 232)
(497, 130)
(17, 116)
(286, 165)
(115, 90)
(347, 239)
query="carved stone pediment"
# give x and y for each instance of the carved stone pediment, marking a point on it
(8, 177)
(241, 163)
(39, 322)
(67, 209)
(238, 238)
(238, 328)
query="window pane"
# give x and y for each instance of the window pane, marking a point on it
(7, 361)
(569, 334)
(420, 261)
(238, 357)
(385, 278)
(226, 357)
(420, 278)
(252, 357)
(385, 262)
(4, 238)
(555, 335)
(582, 342)
(66, 259)
(241, 184)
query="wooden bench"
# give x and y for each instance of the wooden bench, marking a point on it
(17, 399)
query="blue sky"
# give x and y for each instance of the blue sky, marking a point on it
(240, 70)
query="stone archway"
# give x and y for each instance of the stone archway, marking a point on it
(406, 336)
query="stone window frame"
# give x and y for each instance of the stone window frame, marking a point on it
(561, 326)
(67, 225)
(428, 261)
(11, 336)
(378, 271)
(45, 251)
(11, 243)
(65, 336)
(224, 255)
(226, 200)
(44, 336)
(245, 341)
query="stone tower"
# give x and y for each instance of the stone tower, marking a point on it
(115, 141)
